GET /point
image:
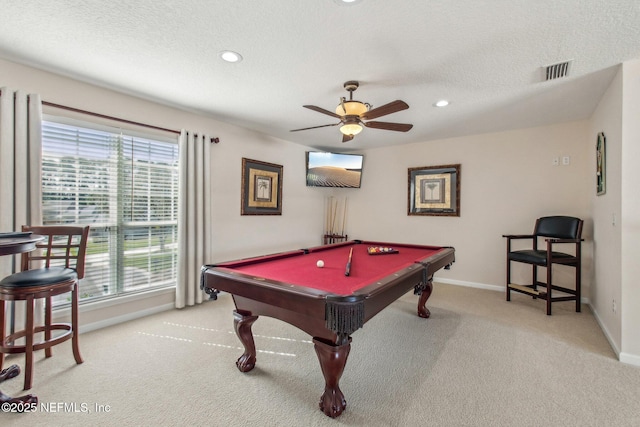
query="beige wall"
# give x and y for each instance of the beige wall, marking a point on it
(616, 251)
(507, 181)
(630, 299)
(607, 118)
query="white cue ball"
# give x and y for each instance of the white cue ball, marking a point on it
(320, 264)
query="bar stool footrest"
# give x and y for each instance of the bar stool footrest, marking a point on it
(8, 348)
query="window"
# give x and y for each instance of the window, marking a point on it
(125, 186)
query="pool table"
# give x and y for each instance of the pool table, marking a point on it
(330, 302)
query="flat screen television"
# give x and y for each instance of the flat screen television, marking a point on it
(333, 169)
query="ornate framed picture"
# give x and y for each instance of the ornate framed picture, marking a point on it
(261, 188)
(434, 190)
(601, 175)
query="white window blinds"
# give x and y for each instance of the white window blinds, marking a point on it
(125, 187)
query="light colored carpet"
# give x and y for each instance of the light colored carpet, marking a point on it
(478, 361)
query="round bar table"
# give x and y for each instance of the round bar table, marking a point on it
(10, 244)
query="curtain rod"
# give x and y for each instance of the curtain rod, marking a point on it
(77, 110)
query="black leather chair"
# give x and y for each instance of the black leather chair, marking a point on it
(556, 231)
(62, 255)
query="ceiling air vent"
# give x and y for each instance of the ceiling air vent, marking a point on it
(556, 71)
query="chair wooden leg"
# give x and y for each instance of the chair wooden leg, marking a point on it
(74, 325)
(549, 270)
(508, 279)
(47, 325)
(578, 290)
(28, 359)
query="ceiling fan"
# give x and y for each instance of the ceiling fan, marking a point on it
(352, 115)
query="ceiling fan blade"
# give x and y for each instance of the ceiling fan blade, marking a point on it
(315, 127)
(346, 138)
(389, 108)
(322, 110)
(399, 127)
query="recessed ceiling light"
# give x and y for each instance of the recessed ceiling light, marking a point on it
(441, 103)
(230, 56)
(347, 2)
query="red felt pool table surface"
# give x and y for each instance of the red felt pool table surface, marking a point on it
(300, 267)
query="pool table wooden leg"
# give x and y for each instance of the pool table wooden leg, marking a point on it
(333, 359)
(425, 293)
(242, 323)
(24, 403)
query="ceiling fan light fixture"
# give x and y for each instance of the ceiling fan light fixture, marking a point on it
(350, 128)
(352, 115)
(351, 108)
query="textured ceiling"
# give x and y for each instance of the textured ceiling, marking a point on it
(485, 56)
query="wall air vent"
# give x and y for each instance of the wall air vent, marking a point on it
(556, 71)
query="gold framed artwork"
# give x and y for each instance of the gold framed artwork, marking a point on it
(601, 163)
(434, 190)
(261, 188)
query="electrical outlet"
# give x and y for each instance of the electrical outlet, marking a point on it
(614, 308)
(566, 160)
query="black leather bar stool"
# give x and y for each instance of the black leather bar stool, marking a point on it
(54, 268)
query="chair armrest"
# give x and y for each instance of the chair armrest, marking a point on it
(511, 237)
(518, 236)
(554, 240)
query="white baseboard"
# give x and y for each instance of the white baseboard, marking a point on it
(125, 318)
(469, 284)
(107, 303)
(498, 288)
(606, 332)
(630, 359)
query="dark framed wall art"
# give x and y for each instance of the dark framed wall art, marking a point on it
(434, 190)
(261, 188)
(601, 163)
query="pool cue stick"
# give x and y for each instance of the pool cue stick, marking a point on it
(344, 215)
(329, 206)
(348, 270)
(329, 214)
(326, 216)
(333, 217)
